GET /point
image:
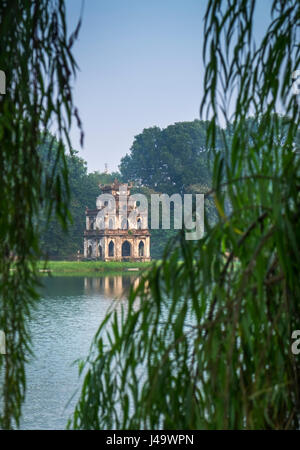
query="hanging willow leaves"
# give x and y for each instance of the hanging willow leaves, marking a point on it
(36, 56)
(206, 340)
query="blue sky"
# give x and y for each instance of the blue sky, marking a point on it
(140, 65)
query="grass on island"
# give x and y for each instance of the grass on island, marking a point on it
(89, 267)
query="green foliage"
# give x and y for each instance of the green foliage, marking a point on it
(36, 55)
(56, 241)
(171, 159)
(206, 339)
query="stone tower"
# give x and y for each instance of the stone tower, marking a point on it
(116, 230)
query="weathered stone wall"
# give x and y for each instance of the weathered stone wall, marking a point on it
(93, 246)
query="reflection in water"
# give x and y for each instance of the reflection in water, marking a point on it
(116, 286)
(62, 328)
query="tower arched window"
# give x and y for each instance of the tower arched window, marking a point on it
(141, 248)
(111, 249)
(126, 249)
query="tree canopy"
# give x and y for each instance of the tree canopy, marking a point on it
(170, 160)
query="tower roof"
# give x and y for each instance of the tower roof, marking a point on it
(114, 186)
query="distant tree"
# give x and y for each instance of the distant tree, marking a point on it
(56, 241)
(171, 159)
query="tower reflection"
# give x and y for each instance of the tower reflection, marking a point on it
(112, 286)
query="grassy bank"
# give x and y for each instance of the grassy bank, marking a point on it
(89, 267)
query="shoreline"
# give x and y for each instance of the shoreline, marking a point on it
(94, 268)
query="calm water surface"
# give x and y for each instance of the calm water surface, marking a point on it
(62, 328)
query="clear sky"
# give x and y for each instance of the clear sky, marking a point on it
(140, 65)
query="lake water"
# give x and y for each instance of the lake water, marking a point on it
(63, 326)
